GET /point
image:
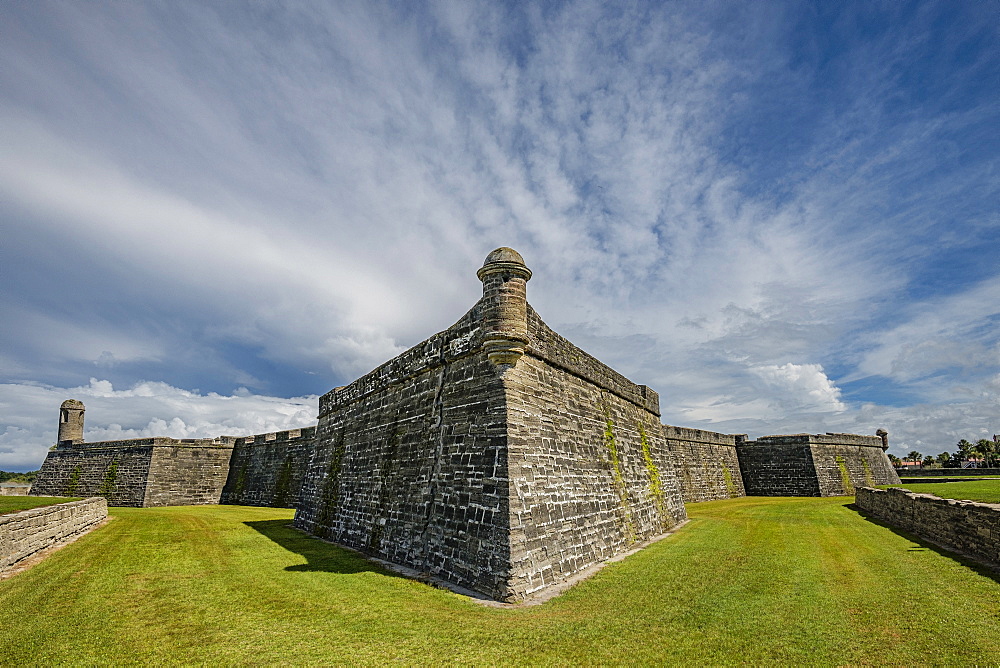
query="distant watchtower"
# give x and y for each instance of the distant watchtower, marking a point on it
(505, 277)
(71, 421)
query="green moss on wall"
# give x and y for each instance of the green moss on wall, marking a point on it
(330, 495)
(283, 484)
(611, 444)
(727, 476)
(73, 484)
(845, 477)
(241, 482)
(869, 478)
(107, 488)
(388, 471)
(653, 471)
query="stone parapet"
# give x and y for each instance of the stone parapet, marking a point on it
(966, 527)
(29, 531)
(460, 340)
(546, 345)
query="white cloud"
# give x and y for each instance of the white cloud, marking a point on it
(699, 204)
(143, 410)
(804, 385)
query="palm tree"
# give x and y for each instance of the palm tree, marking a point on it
(966, 451)
(986, 449)
(915, 456)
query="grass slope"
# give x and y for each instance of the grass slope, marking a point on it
(13, 504)
(984, 491)
(756, 580)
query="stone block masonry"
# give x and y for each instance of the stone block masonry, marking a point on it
(138, 472)
(705, 462)
(813, 464)
(268, 469)
(410, 464)
(495, 455)
(29, 531)
(966, 527)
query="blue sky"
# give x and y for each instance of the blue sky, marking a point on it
(783, 216)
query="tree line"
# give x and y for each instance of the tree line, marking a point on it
(984, 452)
(10, 476)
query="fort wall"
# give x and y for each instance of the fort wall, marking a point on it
(964, 526)
(705, 462)
(138, 472)
(589, 475)
(813, 464)
(269, 469)
(410, 463)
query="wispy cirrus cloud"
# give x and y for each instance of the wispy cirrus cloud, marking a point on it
(777, 215)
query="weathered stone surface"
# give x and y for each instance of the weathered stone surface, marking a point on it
(269, 469)
(410, 463)
(138, 472)
(589, 473)
(705, 462)
(14, 488)
(964, 526)
(29, 531)
(503, 474)
(813, 464)
(187, 475)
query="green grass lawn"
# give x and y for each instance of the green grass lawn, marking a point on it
(13, 504)
(984, 491)
(763, 581)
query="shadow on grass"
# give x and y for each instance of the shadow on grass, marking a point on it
(320, 556)
(980, 566)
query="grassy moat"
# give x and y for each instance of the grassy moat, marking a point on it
(763, 581)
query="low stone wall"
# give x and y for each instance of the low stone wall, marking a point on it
(964, 526)
(29, 531)
(920, 473)
(14, 488)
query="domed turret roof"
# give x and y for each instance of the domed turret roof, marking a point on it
(504, 254)
(72, 403)
(504, 259)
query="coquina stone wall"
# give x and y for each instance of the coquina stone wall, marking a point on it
(24, 533)
(590, 476)
(269, 469)
(964, 526)
(138, 472)
(706, 463)
(813, 464)
(410, 463)
(187, 475)
(495, 455)
(117, 471)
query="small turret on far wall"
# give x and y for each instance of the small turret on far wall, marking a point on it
(71, 421)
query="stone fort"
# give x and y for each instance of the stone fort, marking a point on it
(495, 456)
